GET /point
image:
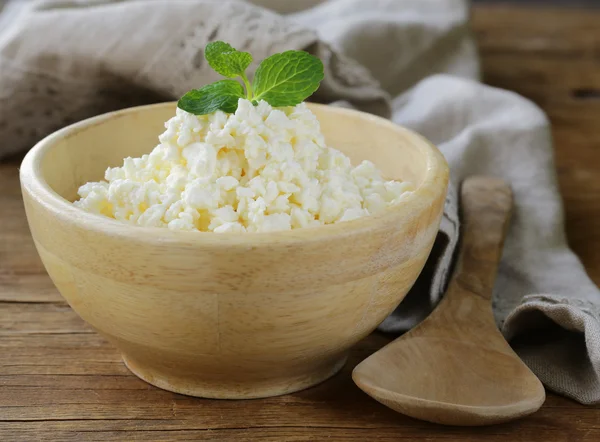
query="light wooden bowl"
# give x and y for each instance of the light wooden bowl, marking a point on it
(227, 315)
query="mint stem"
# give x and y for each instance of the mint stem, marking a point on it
(249, 93)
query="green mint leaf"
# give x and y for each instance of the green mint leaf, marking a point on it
(221, 95)
(226, 60)
(288, 78)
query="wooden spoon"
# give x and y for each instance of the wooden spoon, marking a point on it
(455, 367)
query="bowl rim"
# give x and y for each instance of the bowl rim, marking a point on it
(433, 184)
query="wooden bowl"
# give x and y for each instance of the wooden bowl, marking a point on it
(229, 315)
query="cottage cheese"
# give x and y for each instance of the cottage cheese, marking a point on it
(260, 169)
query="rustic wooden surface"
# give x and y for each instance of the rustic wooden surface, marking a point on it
(61, 381)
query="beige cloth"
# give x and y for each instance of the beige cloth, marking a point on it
(61, 61)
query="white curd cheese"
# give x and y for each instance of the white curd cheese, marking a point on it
(260, 169)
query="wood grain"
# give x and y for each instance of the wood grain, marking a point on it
(81, 390)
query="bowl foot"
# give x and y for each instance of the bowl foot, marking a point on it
(232, 388)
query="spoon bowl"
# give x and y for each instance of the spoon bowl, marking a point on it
(483, 394)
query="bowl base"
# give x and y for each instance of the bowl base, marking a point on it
(245, 389)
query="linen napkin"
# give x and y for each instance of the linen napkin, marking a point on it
(413, 61)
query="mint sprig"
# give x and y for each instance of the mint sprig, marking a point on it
(284, 79)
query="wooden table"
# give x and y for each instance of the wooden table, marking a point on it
(60, 381)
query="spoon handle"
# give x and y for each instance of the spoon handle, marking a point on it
(486, 205)
(465, 313)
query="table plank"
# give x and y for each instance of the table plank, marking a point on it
(61, 381)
